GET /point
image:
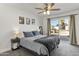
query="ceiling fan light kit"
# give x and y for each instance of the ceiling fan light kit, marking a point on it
(44, 13)
(47, 12)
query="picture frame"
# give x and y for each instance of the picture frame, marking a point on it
(28, 21)
(21, 20)
(33, 21)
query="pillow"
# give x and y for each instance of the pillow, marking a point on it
(35, 32)
(28, 34)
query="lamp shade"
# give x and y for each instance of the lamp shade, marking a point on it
(16, 32)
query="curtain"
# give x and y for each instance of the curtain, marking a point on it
(48, 26)
(73, 30)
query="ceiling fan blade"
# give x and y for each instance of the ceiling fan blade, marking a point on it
(52, 4)
(46, 4)
(40, 12)
(54, 9)
(39, 8)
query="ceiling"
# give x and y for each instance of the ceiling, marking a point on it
(30, 7)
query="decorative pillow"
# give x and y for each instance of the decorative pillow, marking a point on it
(28, 34)
(35, 32)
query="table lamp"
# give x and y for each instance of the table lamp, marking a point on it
(16, 32)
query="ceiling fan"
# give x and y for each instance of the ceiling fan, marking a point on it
(48, 7)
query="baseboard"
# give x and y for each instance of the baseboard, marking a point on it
(4, 50)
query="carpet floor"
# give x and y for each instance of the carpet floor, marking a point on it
(65, 49)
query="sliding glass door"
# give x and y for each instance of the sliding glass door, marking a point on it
(60, 26)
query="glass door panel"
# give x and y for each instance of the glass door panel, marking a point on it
(64, 26)
(54, 26)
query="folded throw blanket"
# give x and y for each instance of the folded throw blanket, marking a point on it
(50, 42)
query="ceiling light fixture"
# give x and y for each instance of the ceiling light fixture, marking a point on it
(48, 7)
(46, 12)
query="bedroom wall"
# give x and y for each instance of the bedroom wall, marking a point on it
(9, 21)
(63, 14)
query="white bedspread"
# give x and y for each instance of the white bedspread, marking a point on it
(28, 42)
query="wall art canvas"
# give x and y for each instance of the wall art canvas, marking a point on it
(21, 20)
(28, 21)
(33, 21)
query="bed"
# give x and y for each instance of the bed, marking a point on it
(41, 44)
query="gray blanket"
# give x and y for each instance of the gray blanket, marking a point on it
(50, 42)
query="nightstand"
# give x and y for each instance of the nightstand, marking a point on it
(15, 42)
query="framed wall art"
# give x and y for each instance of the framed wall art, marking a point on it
(33, 21)
(28, 21)
(21, 20)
